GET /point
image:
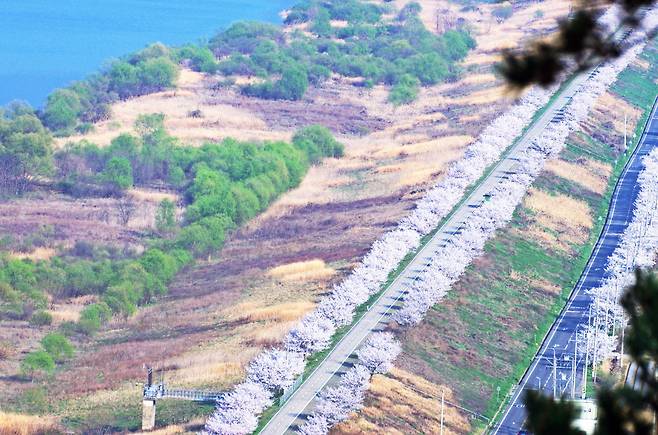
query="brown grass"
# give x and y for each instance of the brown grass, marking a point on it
(311, 270)
(588, 173)
(543, 284)
(218, 120)
(400, 397)
(21, 424)
(7, 350)
(37, 254)
(559, 210)
(255, 312)
(150, 195)
(560, 221)
(68, 312)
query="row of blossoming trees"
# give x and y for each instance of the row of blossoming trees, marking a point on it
(275, 370)
(638, 247)
(602, 338)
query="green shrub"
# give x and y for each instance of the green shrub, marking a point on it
(34, 401)
(200, 58)
(62, 109)
(244, 37)
(159, 264)
(317, 141)
(405, 91)
(123, 298)
(428, 68)
(118, 173)
(57, 346)
(124, 79)
(291, 86)
(93, 316)
(157, 74)
(41, 318)
(25, 151)
(8, 294)
(503, 12)
(247, 204)
(37, 362)
(165, 216)
(322, 25)
(196, 239)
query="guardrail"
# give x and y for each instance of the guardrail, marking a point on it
(291, 390)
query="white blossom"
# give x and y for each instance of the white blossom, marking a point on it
(236, 411)
(315, 425)
(311, 335)
(638, 247)
(378, 352)
(336, 403)
(275, 369)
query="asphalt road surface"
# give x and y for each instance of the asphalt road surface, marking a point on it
(553, 366)
(303, 401)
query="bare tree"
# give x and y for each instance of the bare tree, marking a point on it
(126, 209)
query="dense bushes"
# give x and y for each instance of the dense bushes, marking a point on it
(291, 86)
(128, 160)
(55, 348)
(317, 142)
(25, 149)
(232, 181)
(405, 91)
(87, 101)
(370, 48)
(199, 58)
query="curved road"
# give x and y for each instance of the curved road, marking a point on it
(302, 402)
(560, 340)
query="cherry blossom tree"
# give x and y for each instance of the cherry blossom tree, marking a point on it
(336, 403)
(638, 247)
(311, 335)
(275, 369)
(379, 352)
(315, 425)
(236, 412)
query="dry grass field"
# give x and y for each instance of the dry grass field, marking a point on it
(221, 312)
(399, 395)
(16, 424)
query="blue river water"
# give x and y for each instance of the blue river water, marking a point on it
(45, 44)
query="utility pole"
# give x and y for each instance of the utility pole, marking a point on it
(623, 328)
(574, 368)
(554, 375)
(443, 393)
(596, 334)
(584, 389)
(625, 134)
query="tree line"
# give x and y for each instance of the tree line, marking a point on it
(401, 53)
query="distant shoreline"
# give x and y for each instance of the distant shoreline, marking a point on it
(51, 45)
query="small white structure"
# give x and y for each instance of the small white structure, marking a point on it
(588, 415)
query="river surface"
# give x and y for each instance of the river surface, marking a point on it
(46, 44)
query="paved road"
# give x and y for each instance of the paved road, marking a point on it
(302, 402)
(561, 337)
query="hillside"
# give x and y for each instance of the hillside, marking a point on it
(219, 313)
